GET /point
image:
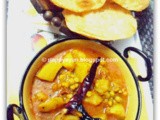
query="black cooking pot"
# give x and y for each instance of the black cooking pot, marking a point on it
(134, 107)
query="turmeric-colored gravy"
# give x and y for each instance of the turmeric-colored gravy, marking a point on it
(58, 80)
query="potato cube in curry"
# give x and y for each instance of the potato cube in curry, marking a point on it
(118, 110)
(68, 62)
(82, 70)
(94, 99)
(51, 104)
(101, 86)
(49, 71)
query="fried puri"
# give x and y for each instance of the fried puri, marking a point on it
(79, 5)
(134, 5)
(111, 22)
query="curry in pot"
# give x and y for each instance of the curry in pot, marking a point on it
(58, 80)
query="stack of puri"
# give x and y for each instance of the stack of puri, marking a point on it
(102, 19)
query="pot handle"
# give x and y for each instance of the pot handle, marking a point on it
(14, 109)
(147, 61)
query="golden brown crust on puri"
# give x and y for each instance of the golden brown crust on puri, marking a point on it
(79, 5)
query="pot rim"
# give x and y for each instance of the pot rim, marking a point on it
(98, 41)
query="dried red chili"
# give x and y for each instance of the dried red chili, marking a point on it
(76, 100)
